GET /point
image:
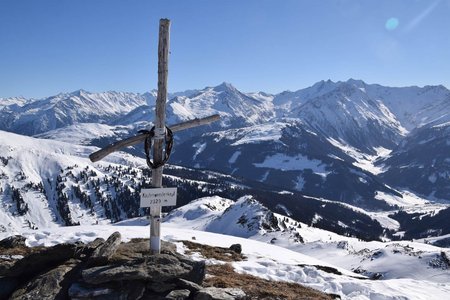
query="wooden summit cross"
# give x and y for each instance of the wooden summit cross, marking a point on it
(160, 135)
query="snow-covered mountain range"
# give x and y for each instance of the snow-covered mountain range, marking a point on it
(347, 121)
(421, 161)
(378, 148)
(342, 186)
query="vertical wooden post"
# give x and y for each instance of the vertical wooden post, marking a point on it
(160, 128)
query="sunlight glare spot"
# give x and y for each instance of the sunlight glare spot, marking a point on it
(391, 24)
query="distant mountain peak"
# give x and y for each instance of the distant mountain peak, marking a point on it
(225, 86)
(357, 82)
(79, 93)
(245, 218)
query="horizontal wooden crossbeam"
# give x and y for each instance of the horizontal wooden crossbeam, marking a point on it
(98, 155)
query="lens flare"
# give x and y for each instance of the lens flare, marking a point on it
(391, 24)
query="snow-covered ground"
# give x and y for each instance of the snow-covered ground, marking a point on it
(288, 163)
(267, 261)
(83, 133)
(27, 160)
(400, 266)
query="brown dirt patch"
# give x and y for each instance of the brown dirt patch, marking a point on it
(224, 276)
(219, 253)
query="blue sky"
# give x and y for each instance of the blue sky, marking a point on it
(52, 46)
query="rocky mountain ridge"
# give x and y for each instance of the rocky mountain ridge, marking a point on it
(401, 109)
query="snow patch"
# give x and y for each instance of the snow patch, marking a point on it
(407, 200)
(288, 163)
(264, 177)
(432, 178)
(259, 133)
(200, 148)
(234, 157)
(286, 211)
(363, 160)
(300, 183)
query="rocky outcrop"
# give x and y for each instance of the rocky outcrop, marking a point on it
(107, 270)
(105, 250)
(37, 262)
(236, 248)
(47, 286)
(13, 241)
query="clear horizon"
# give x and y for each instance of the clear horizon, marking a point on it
(53, 46)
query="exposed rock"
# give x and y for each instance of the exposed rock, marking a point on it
(129, 272)
(95, 243)
(106, 250)
(98, 275)
(7, 286)
(7, 262)
(46, 286)
(445, 258)
(188, 285)
(342, 245)
(376, 276)
(297, 238)
(13, 242)
(84, 251)
(128, 290)
(161, 287)
(440, 261)
(46, 259)
(157, 268)
(198, 271)
(136, 289)
(80, 291)
(178, 295)
(213, 293)
(113, 295)
(236, 248)
(138, 249)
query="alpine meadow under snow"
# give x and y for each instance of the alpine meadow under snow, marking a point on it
(341, 186)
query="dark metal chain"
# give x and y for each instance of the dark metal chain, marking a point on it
(168, 139)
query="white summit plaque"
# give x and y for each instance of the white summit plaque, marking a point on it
(158, 197)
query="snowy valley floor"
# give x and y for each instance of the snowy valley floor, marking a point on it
(405, 280)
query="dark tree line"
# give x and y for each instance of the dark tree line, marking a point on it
(62, 203)
(423, 225)
(21, 206)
